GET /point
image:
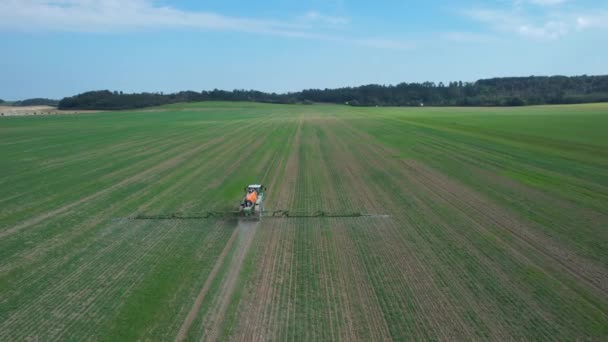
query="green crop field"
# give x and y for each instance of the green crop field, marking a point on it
(496, 224)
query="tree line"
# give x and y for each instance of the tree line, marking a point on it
(507, 91)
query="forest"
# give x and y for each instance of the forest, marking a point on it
(509, 91)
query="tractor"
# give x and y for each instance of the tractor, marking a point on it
(252, 208)
(252, 203)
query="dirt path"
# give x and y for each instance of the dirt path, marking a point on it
(243, 236)
(181, 335)
(246, 232)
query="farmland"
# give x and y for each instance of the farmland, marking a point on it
(496, 228)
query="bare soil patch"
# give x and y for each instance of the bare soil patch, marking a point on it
(39, 110)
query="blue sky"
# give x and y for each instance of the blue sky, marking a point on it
(57, 48)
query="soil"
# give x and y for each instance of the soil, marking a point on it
(39, 110)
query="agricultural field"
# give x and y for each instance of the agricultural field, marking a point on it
(493, 224)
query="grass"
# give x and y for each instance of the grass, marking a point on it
(496, 228)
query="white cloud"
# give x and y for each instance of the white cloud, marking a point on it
(314, 16)
(549, 25)
(116, 15)
(551, 30)
(592, 21)
(498, 19)
(547, 2)
(133, 15)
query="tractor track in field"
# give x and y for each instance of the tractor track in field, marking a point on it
(198, 302)
(246, 232)
(266, 269)
(257, 313)
(243, 234)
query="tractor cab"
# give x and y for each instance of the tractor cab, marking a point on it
(252, 202)
(255, 187)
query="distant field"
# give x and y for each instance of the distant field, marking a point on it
(36, 110)
(497, 225)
